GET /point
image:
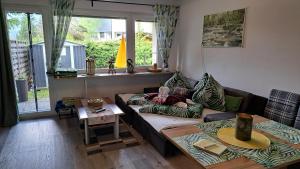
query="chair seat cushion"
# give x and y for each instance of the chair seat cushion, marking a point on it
(219, 116)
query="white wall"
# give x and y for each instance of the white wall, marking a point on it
(270, 58)
(103, 86)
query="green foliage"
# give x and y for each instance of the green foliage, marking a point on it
(41, 94)
(18, 23)
(83, 28)
(143, 49)
(102, 51)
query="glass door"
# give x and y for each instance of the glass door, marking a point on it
(28, 58)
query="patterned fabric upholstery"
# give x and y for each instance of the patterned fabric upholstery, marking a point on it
(178, 80)
(297, 122)
(282, 107)
(192, 111)
(202, 82)
(180, 91)
(211, 95)
(138, 99)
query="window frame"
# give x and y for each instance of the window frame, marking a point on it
(130, 33)
(103, 70)
(94, 13)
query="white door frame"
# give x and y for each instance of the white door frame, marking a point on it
(45, 12)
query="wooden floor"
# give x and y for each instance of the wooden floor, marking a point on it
(57, 144)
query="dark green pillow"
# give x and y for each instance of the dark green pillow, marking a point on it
(232, 103)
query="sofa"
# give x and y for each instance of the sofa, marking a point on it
(150, 125)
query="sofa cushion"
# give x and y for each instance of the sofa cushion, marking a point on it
(257, 105)
(247, 98)
(232, 104)
(191, 111)
(282, 107)
(211, 95)
(202, 82)
(181, 91)
(159, 122)
(138, 99)
(178, 80)
(219, 116)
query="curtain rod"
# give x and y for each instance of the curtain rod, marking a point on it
(119, 2)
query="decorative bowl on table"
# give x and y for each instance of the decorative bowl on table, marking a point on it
(96, 103)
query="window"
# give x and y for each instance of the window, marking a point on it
(101, 38)
(145, 44)
(102, 35)
(92, 37)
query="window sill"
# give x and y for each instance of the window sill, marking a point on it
(101, 75)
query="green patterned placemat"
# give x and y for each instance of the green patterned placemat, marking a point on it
(279, 130)
(276, 154)
(212, 128)
(186, 142)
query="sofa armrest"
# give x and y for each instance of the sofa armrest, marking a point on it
(151, 90)
(219, 116)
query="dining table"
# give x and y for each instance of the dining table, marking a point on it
(283, 150)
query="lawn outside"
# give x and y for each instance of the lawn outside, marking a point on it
(41, 94)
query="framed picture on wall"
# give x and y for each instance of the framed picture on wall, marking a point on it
(224, 29)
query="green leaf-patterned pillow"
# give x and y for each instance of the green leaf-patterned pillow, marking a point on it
(178, 80)
(138, 99)
(211, 95)
(202, 82)
(192, 111)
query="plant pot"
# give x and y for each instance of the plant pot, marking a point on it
(22, 89)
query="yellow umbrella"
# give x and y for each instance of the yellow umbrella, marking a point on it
(121, 57)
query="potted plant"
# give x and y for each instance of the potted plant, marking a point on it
(22, 87)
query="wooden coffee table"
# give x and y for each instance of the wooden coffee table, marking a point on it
(237, 163)
(111, 115)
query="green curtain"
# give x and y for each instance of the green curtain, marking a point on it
(61, 17)
(8, 102)
(166, 17)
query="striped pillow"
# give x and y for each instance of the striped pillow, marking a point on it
(178, 80)
(211, 95)
(192, 111)
(201, 84)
